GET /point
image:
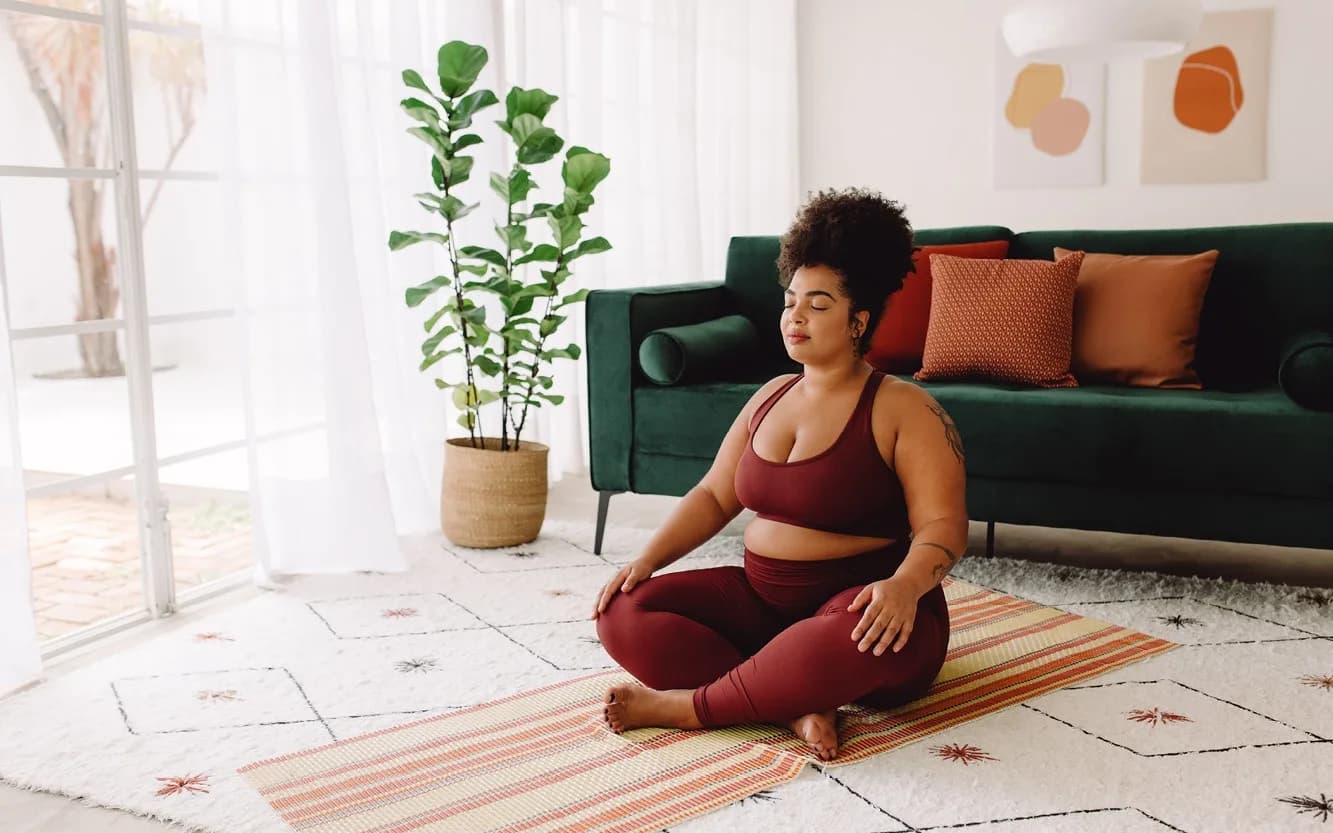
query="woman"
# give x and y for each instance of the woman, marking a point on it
(857, 480)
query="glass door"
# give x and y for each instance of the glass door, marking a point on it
(131, 411)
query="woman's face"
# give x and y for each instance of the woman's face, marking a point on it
(815, 322)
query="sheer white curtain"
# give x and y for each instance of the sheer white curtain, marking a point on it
(19, 658)
(316, 169)
(694, 102)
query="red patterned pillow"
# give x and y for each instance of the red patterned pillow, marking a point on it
(900, 336)
(1001, 321)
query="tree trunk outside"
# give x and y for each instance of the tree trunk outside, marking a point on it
(98, 295)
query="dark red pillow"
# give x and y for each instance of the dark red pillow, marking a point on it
(899, 340)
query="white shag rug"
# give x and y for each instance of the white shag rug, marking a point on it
(1231, 731)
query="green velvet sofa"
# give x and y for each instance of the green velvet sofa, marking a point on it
(1236, 461)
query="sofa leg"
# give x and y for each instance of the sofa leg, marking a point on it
(603, 501)
(990, 539)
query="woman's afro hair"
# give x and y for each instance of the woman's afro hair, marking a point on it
(859, 234)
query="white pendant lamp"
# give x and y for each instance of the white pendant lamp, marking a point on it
(1056, 31)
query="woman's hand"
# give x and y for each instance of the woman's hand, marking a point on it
(629, 575)
(890, 609)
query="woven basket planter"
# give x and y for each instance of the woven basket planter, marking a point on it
(493, 498)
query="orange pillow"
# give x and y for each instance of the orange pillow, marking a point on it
(899, 339)
(1136, 318)
(1001, 321)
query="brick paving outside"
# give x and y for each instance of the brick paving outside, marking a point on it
(84, 549)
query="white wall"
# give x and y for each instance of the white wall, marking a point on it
(898, 95)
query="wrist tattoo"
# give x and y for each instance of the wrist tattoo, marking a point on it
(941, 569)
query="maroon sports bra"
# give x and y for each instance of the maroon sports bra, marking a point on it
(848, 488)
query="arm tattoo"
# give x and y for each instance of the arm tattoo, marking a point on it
(950, 431)
(940, 570)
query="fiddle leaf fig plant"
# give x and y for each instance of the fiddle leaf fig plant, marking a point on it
(505, 358)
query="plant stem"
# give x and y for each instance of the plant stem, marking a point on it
(474, 425)
(509, 276)
(537, 354)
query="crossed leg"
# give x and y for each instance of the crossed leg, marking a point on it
(715, 654)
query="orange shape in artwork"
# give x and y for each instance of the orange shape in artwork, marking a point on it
(1035, 86)
(1208, 90)
(1060, 126)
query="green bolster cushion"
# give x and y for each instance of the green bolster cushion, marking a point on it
(699, 352)
(1305, 370)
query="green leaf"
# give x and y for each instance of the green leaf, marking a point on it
(431, 202)
(465, 396)
(500, 186)
(546, 382)
(575, 202)
(520, 185)
(485, 397)
(437, 172)
(573, 298)
(553, 398)
(412, 78)
(460, 168)
(467, 140)
(514, 237)
(415, 295)
(556, 276)
(432, 344)
(434, 138)
(468, 106)
(566, 230)
(550, 324)
(543, 252)
(468, 420)
(591, 246)
(435, 357)
(537, 290)
(435, 319)
(542, 144)
(536, 102)
(459, 64)
(403, 239)
(421, 111)
(570, 352)
(482, 253)
(488, 366)
(442, 385)
(476, 315)
(582, 171)
(454, 210)
(523, 126)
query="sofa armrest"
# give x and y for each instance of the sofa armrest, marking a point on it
(617, 321)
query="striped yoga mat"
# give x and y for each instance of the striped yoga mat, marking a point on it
(542, 760)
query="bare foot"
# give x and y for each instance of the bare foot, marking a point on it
(820, 731)
(634, 706)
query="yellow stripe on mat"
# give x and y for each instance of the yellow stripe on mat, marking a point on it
(541, 761)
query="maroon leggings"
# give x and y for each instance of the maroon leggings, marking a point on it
(772, 640)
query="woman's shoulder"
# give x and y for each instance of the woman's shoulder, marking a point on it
(772, 386)
(767, 389)
(897, 396)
